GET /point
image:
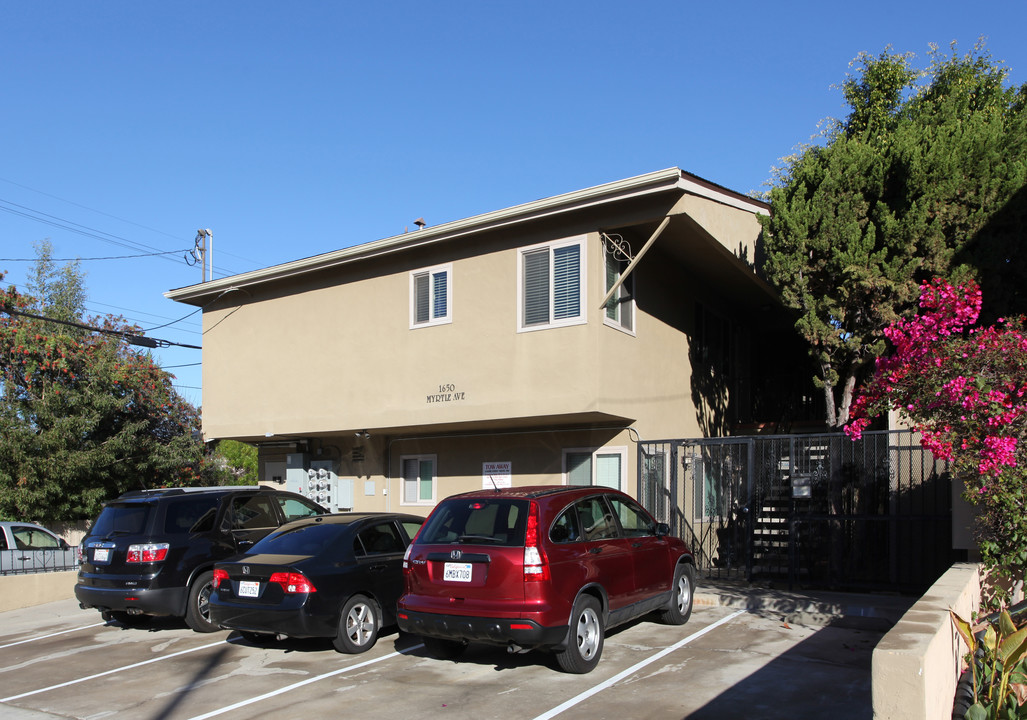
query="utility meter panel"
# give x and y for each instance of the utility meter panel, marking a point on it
(296, 473)
(316, 479)
(323, 484)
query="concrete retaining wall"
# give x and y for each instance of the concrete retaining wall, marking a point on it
(20, 591)
(917, 664)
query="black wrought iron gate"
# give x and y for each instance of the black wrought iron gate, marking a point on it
(809, 510)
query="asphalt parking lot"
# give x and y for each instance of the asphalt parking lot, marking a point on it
(58, 661)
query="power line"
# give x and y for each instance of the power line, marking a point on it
(71, 226)
(140, 312)
(184, 317)
(81, 259)
(86, 231)
(131, 338)
(121, 219)
(86, 207)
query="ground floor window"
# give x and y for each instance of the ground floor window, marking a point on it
(605, 467)
(419, 480)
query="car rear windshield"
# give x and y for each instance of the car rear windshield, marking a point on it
(123, 519)
(477, 521)
(309, 539)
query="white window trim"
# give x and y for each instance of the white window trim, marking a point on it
(434, 481)
(623, 307)
(582, 318)
(594, 451)
(431, 322)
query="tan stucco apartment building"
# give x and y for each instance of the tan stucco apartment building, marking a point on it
(534, 344)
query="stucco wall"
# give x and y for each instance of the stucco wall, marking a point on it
(20, 591)
(917, 664)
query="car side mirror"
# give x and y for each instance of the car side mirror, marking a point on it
(662, 529)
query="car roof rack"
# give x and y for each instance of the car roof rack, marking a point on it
(161, 492)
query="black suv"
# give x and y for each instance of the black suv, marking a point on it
(152, 552)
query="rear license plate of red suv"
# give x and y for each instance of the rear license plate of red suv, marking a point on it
(457, 572)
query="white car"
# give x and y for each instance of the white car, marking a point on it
(26, 547)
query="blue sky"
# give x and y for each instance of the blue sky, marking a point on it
(292, 129)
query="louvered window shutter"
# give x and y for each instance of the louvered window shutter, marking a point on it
(536, 287)
(566, 282)
(421, 298)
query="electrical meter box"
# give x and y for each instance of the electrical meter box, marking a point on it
(316, 479)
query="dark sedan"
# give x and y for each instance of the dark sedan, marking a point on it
(336, 576)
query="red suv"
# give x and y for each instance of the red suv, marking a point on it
(541, 568)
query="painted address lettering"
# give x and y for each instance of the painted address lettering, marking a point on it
(446, 393)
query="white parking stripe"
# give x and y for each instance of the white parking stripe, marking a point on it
(301, 683)
(635, 668)
(110, 672)
(44, 637)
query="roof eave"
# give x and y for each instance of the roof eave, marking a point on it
(660, 181)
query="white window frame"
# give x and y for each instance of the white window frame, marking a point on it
(620, 305)
(597, 453)
(431, 272)
(434, 480)
(582, 317)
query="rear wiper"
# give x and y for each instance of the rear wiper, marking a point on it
(477, 538)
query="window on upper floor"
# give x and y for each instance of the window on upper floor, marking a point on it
(551, 284)
(620, 308)
(431, 296)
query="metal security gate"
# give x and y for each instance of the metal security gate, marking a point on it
(810, 510)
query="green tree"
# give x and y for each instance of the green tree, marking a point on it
(84, 417)
(908, 187)
(60, 291)
(239, 461)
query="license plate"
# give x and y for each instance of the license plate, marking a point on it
(101, 555)
(249, 588)
(457, 572)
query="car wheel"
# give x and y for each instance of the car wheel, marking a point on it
(585, 635)
(197, 610)
(681, 600)
(443, 649)
(359, 624)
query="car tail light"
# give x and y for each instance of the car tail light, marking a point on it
(536, 564)
(219, 575)
(406, 558)
(292, 582)
(149, 553)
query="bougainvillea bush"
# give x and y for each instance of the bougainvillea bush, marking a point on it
(964, 388)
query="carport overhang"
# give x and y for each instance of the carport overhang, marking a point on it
(534, 424)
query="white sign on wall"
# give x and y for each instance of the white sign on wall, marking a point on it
(496, 475)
